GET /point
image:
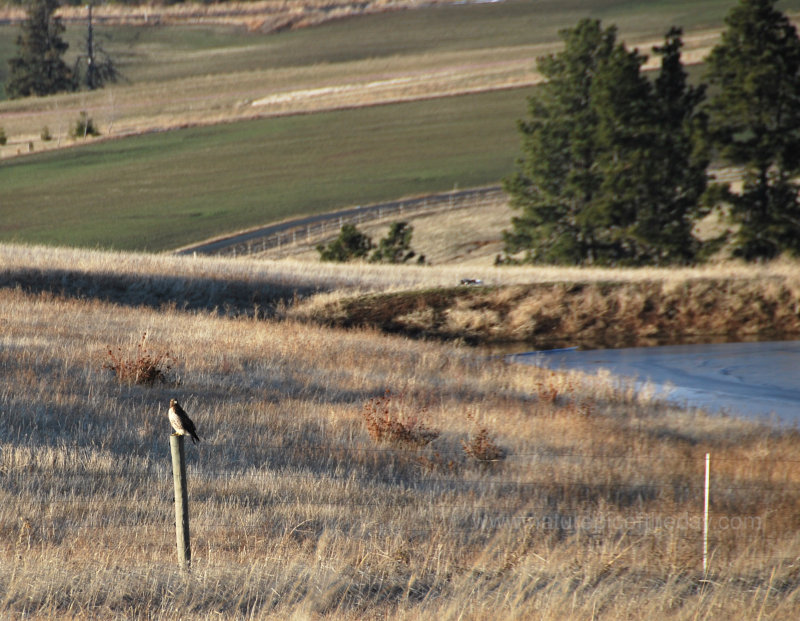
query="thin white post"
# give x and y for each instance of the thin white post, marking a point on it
(705, 514)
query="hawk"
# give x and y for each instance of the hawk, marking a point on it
(181, 422)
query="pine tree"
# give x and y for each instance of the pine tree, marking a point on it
(351, 244)
(396, 246)
(558, 180)
(675, 175)
(754, 121)
(38, 68)
(622, 99)
(610, 174)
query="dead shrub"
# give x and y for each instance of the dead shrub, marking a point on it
(482, 447)
(438, 463)
(554, 386)
(387, 422)
(140, 366)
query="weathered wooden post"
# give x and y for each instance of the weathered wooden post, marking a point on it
(181, 501)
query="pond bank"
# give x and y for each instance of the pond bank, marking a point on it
(592, 315)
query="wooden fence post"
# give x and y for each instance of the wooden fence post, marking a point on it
(181, 501)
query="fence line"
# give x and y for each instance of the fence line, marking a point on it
(488, 484)
(91, 499)
(305, 232)
(477, 516)
(316, 228)
(547, 454)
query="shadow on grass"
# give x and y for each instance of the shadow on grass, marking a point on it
(224, 296)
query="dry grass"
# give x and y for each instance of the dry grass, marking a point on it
(537, 305)
(618, 313)
(467, 237)
(298, 513)
(169, 277)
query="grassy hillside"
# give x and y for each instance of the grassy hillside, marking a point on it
(543, 494)
(163, 190)
(346, 473)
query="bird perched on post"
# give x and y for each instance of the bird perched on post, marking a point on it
(181, 422)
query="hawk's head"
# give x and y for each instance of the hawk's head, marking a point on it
(173, 403)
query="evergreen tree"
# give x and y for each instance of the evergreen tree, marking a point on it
(676, 165)
(622, 99)
(351, 244)
(38, 68)
(754, 121)
(396, 246)
(558, 179)
(610, 173)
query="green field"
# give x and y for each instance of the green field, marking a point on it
(160, 191)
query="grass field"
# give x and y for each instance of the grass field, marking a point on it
(159, 191)
(589, 508)
(481, 490)
(170, 52)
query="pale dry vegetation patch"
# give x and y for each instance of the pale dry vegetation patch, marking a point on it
(67, 269)
(537, 305)
(621, 312)
(541, 493)
(468, 237)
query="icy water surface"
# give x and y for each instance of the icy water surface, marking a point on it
(750, 379)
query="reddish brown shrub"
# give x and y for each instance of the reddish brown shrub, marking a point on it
(387, 422)
(482, 448)
(141, 366)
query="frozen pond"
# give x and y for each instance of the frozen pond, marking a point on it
(751, 379)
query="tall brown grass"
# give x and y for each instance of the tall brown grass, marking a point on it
(536, 305)
(298, 513)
